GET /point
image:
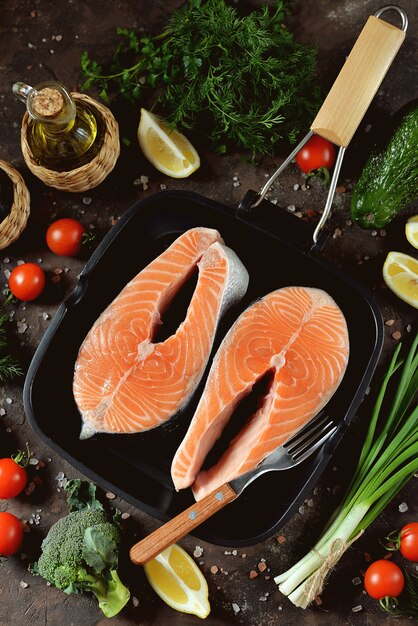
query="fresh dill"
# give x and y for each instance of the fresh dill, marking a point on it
(240, 80)
(8, 366)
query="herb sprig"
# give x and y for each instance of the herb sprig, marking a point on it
(240, 80)
(8, 366)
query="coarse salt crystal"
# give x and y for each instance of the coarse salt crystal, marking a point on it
(262, 599)
(135, 601)
(23, 584)
(198, 551)
(403, 507)
(110, 495)
(9, 401)
(291, 207)
(86, 200)
(214, 569)
(235, 607)
(356, 580)
(60, 476)
(2, 411)
(125, 515)
(357, 608)
(235, 552)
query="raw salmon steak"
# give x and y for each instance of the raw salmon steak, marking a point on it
(299, 336)
(125, 383)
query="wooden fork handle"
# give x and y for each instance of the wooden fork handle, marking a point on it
(178, 527)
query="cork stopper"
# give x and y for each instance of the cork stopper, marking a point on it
(48, 103)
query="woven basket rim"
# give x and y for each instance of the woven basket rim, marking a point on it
(15, 221)
(93, 172)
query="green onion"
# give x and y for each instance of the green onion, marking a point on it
(389, 458)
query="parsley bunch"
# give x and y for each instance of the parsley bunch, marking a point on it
(239, 80)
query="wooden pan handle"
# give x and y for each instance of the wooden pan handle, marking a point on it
(149, 547)
(358, 81)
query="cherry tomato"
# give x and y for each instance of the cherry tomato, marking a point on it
(27, 281)
(384, 579)
(317, 152)
(11, 534)
(409, 541)
(13, 478)
(64, 237)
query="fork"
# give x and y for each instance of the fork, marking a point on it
(290, 454)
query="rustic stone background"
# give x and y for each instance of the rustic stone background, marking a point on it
(41, 39)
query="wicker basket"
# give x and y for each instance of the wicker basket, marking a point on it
(88, 175)
(15, 221)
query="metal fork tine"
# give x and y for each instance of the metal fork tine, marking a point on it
(307, 432)
(307, 453)
(302, 446)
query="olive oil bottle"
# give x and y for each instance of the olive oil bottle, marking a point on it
(62, 134)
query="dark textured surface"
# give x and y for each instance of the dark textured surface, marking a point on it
(30, 51)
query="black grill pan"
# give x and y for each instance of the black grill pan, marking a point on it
(275, 247)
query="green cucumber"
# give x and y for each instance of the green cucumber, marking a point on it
(389, 180)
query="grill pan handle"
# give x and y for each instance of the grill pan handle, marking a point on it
(351, 94)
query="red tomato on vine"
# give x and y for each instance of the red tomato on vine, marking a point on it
(27, 281)
(65, 236)
(316, 154)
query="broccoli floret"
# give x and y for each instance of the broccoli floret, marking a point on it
(62, 549)
(80, 553)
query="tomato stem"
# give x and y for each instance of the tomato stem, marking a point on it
(394, 539)
(22, 457)
(388, 603)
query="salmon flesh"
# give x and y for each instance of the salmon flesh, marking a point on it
(125, 383)
(298, 335)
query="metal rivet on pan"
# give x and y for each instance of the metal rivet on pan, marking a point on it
(192, 514)
(219, 496)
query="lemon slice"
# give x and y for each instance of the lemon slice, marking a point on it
(168, 150)
(411, 231)
(400, 273)
(178, 581)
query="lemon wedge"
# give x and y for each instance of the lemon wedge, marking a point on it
(411, 231)
(178, 581)
(400, 272)
(168, 150)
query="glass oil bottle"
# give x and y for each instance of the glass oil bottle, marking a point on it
(62, 134)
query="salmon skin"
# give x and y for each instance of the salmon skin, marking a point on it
(297, 334)
(125, 383)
